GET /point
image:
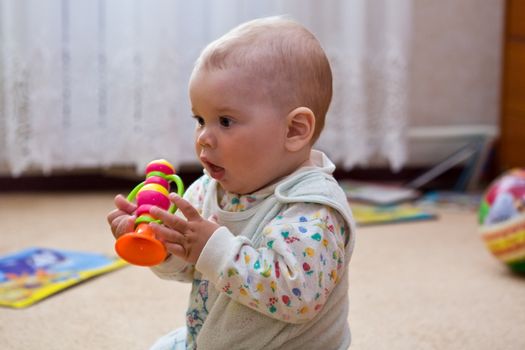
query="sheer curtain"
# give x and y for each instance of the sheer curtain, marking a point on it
(98, 83)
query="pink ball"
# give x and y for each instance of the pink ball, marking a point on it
(153, 198)
(143, 209)
(158, 180)
(163, 168)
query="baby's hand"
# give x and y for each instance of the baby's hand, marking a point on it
(122, 220)
(183, 238)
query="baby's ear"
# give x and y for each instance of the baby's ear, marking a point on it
(300, 128)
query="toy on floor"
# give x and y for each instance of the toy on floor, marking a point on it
(502, 219)
(140, 247)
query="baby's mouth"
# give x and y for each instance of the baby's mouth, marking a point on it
(215, 171)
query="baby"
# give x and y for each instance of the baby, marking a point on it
(266, 234)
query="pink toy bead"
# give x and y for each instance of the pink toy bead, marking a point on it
(158, 180)
(154, 198)
(143, 209)
(163, 168)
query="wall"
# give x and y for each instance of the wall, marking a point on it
(455, 74)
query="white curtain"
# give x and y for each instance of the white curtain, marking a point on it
(100, 83)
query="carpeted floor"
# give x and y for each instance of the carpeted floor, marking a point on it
(424, 285)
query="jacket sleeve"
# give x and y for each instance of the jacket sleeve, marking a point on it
(290, 276)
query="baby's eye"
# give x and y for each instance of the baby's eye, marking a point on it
(199, 119)
(225, 122)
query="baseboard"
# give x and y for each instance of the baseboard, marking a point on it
(121, 184)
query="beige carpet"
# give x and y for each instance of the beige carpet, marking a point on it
(426, 285)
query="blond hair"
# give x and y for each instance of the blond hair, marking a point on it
(284, 58)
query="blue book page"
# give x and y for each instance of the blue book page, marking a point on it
(36, 273)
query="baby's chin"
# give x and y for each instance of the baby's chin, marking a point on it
(242, 188)
(234, 189)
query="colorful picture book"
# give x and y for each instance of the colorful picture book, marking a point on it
(33, 274)
(366, 215)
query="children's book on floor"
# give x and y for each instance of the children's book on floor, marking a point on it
(375, 203)
(33, 274)
(366, 215)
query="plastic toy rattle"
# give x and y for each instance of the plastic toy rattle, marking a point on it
(140, 247)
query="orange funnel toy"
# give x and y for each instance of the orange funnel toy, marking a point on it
(140, 247)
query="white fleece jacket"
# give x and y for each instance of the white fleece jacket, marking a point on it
(223, 322)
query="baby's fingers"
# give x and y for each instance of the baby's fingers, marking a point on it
(122, 225)
(124, 205)
(175, 249)
(172, 240)
(185, 207)
(170, 220)
(114, 214)
(167, 235)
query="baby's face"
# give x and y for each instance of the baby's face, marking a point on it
(239, 134)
